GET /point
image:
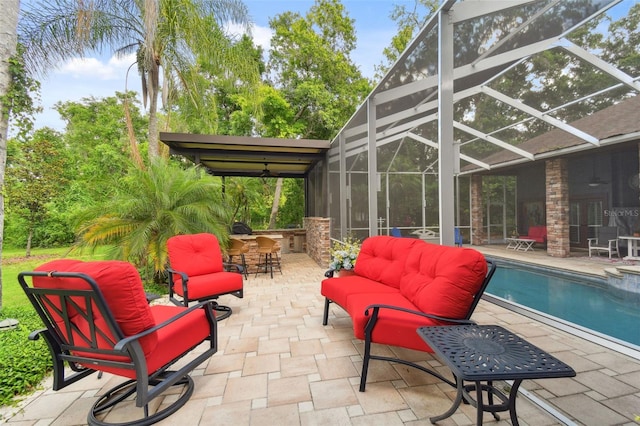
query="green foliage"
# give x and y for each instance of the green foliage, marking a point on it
(166, 39)
(34, 177)
(20, 102)
(408, 22)
(291, 210)
(149, 207)
(23, 363)
(309, 62)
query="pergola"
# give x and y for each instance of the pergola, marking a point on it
(248, 156)
(449, 104)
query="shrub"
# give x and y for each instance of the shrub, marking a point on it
(23, 363)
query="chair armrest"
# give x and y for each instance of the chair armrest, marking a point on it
(207, 306)
(377, 307)
(230, 266)
(184, 276)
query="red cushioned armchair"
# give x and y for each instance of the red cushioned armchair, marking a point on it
(97, 319)
(197, 272)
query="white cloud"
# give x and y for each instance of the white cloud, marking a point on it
(260, 35)
(113, 69)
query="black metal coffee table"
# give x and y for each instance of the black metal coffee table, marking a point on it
(484, 353)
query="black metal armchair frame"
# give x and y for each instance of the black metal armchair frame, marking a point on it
(70, 344)
(196, 260)
(224, 311)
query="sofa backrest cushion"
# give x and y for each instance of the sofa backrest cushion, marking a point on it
(382, 258)
(538, 232)
(195, 254)
(122, 288)
(443, 280)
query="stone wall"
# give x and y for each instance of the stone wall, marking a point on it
(557, 184)
(478, 236)
(318, 239)
(294, 240)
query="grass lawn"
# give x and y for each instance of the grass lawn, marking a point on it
(14, 262)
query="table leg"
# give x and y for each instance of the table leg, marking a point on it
(454, 407)
(512, 402)
(479, 404)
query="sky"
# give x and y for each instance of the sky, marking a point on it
(101, 76)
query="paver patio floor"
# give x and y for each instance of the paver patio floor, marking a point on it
(278, 365)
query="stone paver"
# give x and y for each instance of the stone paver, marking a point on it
(277, 365)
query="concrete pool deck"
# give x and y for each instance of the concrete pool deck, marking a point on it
(277, 365)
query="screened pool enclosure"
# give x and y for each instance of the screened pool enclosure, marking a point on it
(480, 81)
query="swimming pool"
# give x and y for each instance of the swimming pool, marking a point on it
(580, 301)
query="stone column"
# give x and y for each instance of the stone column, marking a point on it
(478, 236)
(557, 184)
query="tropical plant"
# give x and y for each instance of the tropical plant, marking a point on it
(165, 35)
(344, 254)
(150, 207)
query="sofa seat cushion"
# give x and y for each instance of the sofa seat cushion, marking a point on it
(382, 258)
(174, 339)
(202, 286)
(394, 327)
(441, 280)
(339, 289)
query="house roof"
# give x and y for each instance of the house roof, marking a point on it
(248, 156)
(607, 125)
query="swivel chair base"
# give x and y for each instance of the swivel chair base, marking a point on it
(124, 391)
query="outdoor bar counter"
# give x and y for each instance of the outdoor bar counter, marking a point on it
(252, 256)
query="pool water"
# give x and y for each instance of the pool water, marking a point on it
(584, 301)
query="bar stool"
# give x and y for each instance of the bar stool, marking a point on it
(266, 249)
(239, 248)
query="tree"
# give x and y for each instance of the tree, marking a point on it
(165, 35)
(309, 62)
(96, 139)
(8, 40)
(35, 178)
(408, 22)
(150, 207)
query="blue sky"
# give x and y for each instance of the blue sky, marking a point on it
(100, 77)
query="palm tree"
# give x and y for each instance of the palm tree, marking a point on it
(8, 39)
(166, 35)
(152, 206)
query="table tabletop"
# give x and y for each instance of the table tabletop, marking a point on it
(490, 352)
(253, 236)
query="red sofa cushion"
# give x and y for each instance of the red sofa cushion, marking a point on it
(382, 258)
(394, 328)
(340, 288)
(195, 254)
(442, 280)
(203, 286)
(121, 287)
(537, 233)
